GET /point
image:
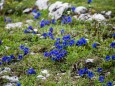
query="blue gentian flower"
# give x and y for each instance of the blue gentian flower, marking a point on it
(22, 47)
(113, 34)
(5, 59)
(73, 9)
(34, 32)
(99, 70)
(38, 14)
(52, 37)
(54, 59)
(94, 45)
(62, 31)
(90, 74)
(44, 35)
(67, 37)
(113, 57)
(112, 45)
(31, 71)
(69, 19)
(34, 11)
(57, 39)
(46, 54)
(0, 63)
(26, 51)
(30, 28)
(72, 42)
(109, 83)
(18, 84)
(83, 71)
(26, 31)
(81, 42)
(47, 22)
(0, 42)
(53, 21)
(7, 20)
(20, 56)
(64, 43)
(12, 56)
(59, 47)
(107, 58)
(101, 79)
(51, 29)
(42, 23)
(89, 1)
(49, 34)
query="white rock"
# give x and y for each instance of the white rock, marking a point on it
(11, 79)
(98, 17)
(41, 77)
(29, 21)
(6, 47)
(56, 10)
(80, 10)
(44, 72)
(42, 4)
(14, 25)
(2, 4)
(89, 60)
(27, 10)
(35, 30)
(108, 14)
(5, 70)
(38, 34)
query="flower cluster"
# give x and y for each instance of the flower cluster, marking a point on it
(43, 22)
(108, 58)
(81, 42)
(25, 49)
(7, 20)
(8, 59)
(66, 19)
(30, 30)
(90, 75)
(36, 14)
(49, 34)
(85, 71)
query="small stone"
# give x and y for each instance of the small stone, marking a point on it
(44, 72)
(27, 10)
(89, 61)
(41, 77)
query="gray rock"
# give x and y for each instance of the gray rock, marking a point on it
(85, 17)
(56, 10)
(98, 17)
(42, 4)
(80, 10)
(11, 79)
(5, 70)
